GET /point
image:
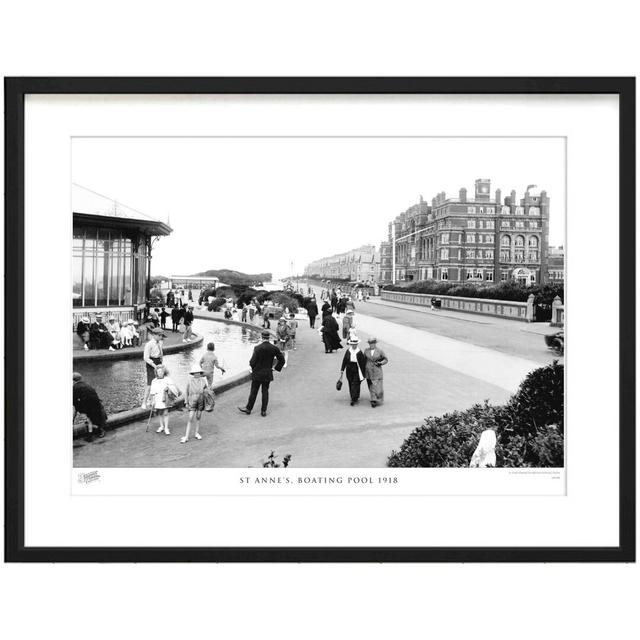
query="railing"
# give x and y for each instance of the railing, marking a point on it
(522, 311)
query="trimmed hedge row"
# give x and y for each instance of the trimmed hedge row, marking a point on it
(513, 291)
(529, 429)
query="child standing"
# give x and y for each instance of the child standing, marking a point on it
(160, 386)
(194, 400)
(293, 327)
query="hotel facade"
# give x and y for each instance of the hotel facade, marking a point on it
(479, 239)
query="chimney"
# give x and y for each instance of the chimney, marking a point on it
(498, 197)
(463, 195)
(514, 203)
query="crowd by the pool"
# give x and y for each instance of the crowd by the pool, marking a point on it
(338, 322)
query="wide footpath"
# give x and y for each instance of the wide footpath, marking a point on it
(428, 374)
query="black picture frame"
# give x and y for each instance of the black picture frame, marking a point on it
(15, 91)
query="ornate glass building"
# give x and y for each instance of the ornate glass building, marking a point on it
(111, 256)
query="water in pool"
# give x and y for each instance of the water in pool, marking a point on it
(121, 384)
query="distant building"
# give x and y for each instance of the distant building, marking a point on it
(358, 265)
(479, 239)
(556, 264)
(193, 282)
(111, 256)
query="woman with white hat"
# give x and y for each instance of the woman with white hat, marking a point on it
(194, 400)
(82, 329)
(376, 359)
(354, 362)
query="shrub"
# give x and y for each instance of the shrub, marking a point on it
(510, 290)
(529, 429)
(217, 303)
(280, 297)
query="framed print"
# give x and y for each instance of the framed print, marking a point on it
(320, 319)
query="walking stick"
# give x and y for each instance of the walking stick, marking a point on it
(149, 420)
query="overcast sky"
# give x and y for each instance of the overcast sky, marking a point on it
(258, 204)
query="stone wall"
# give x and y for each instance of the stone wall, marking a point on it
(502, 308)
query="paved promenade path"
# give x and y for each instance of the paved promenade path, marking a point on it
(428, 374)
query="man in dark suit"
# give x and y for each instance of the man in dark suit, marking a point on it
(261, 364)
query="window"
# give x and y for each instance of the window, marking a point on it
(505, 255)
(471, 224)
(490, 210)
(474, 274)
(519, 255)
(480, 224)
(444, 254)
(533, 241)
(506, 241)
(506, 211)
(533, 256)
(519, 211)
(519, 241)
(533, 224)
(489, 238)
(504, 276)
(488, 254)
(480, 238)
(519, 224)
(471, 237)
(489, 276)
(534, 211)
(444, 239)
(490, 224)
(471, 210)
(471, 253)
(481, 209)
(444, 274)
(505, 224)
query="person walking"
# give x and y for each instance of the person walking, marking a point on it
(163, 318)
(86, 401)
(354, 362)
(347, 323)
(160, 387)
(312, 311)
(283, 336)
(244, 312)
(188, 321)
(262, 367)
(334, 302)
(152, 357)
(209, 361)
(330, 335)
(376, 359)
(194, 400)
(252, 311)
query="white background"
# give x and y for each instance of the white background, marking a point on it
(490, 38)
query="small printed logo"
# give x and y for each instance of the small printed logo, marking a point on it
(86, 478)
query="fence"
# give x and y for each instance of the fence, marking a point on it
(523, 311)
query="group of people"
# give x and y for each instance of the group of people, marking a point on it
(357, 364)
(198, 395)
(111, 335)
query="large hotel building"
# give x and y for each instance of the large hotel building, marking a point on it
(463, 239)
(357, 265)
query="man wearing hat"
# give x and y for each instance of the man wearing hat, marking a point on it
(86, 400)
(99, 334)
(354, 363)
(261, 364)
(376, 359)
(82, 329)
(152, 357)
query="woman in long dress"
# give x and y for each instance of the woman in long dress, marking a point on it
(376, 359)
(330, 335)
(354, 363)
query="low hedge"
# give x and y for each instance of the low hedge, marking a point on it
(513, 291)
(529, 429)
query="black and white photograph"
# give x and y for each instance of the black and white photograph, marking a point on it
(318, 302)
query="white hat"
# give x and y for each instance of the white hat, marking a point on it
(112, 317)
(196, 369)
(354, 340)
(84, 319)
